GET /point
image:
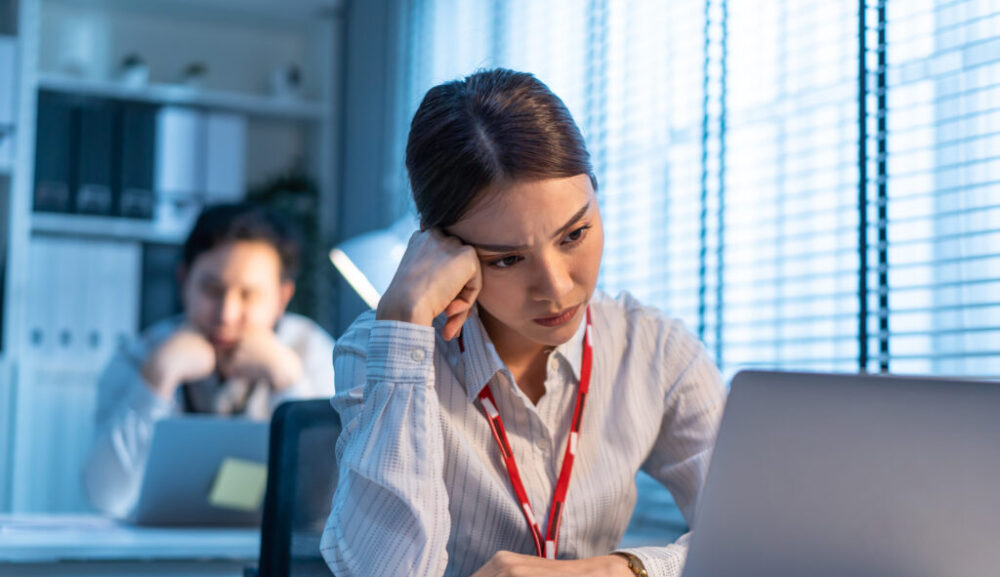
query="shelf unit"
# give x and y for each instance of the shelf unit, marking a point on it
(248, 104)
(9, 33)
(47, 391)
(102, 227)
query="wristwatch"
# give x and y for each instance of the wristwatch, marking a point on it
(634, 564)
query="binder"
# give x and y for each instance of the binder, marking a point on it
(94, 158)
(40, 304)
(111, 285)
(178, 155)
(225, 154)
(161, 294)
(54, 144)
(137, 138)
(179, 172)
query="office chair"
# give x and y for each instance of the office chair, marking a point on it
(301, 477)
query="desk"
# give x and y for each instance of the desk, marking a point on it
(89, 545)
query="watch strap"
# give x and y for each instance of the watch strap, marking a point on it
(635, 564)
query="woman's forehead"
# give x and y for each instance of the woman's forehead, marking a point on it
(525, 208)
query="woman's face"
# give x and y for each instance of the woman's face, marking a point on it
(539, 244)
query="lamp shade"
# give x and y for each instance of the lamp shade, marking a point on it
(368, 261)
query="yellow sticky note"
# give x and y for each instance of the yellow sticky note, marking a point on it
(239, 485)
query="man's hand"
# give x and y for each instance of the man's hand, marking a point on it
(259, 355)
(507, 564)
(185, 356)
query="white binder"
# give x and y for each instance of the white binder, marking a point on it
(225, 150)
(200, 158)
(82, 295)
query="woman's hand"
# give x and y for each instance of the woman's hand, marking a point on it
(438, 274)
(507, 564)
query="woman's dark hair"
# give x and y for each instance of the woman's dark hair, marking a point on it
(492, 127)
(224, 223)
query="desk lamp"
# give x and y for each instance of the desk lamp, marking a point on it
(368, 261)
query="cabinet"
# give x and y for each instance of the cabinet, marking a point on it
(8, 116)
(126, 117)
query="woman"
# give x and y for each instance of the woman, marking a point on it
(496, 408)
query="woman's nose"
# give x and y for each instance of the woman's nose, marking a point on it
(554, 280)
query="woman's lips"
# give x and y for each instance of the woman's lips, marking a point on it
(559, 319)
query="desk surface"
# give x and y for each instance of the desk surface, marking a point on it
(59, 538)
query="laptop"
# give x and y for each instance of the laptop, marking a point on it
(852, 476)
(204, 471)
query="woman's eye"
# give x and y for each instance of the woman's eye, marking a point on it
(576, 234)
(506, 262)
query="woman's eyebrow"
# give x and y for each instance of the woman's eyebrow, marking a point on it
(576, 217)
(513, 248)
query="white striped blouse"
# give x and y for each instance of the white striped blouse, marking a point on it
(423, 489)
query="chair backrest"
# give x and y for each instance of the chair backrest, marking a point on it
(301, 477)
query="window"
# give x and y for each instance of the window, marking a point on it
(943, 186)
(803, 195)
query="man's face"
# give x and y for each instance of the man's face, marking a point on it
(233, 289)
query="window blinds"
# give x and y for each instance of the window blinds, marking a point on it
(652, 150)
(943, 186)
(807, 185)
(790, 240)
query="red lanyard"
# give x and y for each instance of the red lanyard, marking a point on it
(489, 407)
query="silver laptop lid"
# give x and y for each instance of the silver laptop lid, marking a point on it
(845, 475)
(185, 457)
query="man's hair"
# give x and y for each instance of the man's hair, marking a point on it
(225, 223)
(491, 128)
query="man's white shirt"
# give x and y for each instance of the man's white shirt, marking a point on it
(127, 408)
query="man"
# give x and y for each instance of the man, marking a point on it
(234, 351)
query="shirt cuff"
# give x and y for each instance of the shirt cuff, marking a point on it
(145, 403)
(660, 561)
(400, 352)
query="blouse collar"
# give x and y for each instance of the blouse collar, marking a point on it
(482, 362)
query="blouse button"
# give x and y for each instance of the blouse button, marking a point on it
(553, 364)
(417, 355)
